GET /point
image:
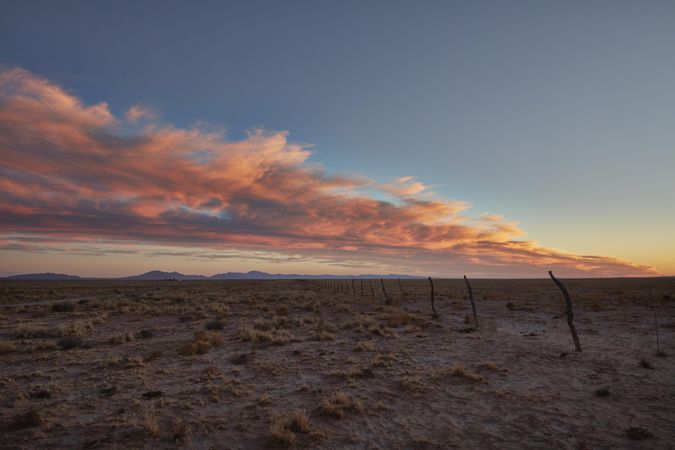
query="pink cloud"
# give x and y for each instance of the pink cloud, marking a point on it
(68, 172)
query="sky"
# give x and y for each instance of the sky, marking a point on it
(497, 139)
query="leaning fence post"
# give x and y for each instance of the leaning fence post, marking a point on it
(400, 286)
(570, 312)
(386, 297)
(433, 308)
(473, 303)
(372, 291)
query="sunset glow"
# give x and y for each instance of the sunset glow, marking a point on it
(77, 180)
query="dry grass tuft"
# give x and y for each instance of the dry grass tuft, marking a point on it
(323, 335)
(203, 342)
(299, 421)
(412, 383)
(458, 371)
(383, 360)
(364, 346)
(180, 431)
(353, 373)
(151, 426)
(493, 368)
(338, 404)
(7, 347)
(274, 337)
(78, 328)
(400, 318)
(280, 434)
(118, 340)
(283, 428)
(265, 400)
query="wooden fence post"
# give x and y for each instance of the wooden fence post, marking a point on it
(473, 303)
(386, 297)
(400, 286)
(433, 308)
(372, 291)
(570, 312)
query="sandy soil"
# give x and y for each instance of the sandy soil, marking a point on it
(237, 365)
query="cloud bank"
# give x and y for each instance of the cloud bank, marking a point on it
(72, 174)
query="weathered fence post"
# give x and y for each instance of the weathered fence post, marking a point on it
(570, 312)
(386, 297)
(400, 286)
(362, 291)
(353, 287)
(473, 303)
(433, 308)
(372, 291)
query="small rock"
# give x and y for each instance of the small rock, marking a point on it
(638, 433)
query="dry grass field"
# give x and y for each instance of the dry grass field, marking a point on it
(267, 364)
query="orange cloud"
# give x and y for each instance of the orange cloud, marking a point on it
(69, 173)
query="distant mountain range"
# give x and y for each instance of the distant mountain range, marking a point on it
(48, 276)
(155, 275)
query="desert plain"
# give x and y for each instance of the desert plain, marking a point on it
(325, 364)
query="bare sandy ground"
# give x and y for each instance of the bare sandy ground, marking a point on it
(238, 365)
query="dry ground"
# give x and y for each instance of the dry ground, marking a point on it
(293, 363)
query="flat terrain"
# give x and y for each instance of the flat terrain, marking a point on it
(238, 365)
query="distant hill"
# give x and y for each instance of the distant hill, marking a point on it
(47, 276)
(159, 275)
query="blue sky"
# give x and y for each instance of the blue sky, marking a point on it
(557, 115)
